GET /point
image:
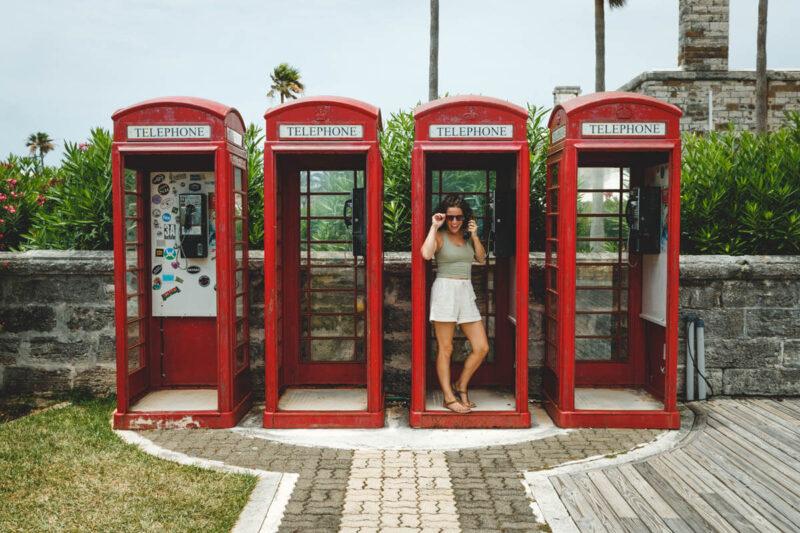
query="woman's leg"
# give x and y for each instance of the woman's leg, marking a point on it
(476, 334)
(444, 338)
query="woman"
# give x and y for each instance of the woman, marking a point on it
(452, 297)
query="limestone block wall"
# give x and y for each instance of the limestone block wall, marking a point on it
(58, 311)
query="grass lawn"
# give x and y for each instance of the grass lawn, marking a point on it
(65, 470)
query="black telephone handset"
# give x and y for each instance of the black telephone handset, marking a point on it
(467, 233)
(357, 220)
(187, 218)
(643, 215)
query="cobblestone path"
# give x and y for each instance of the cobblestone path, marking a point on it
(470, 490)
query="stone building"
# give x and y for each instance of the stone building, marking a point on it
(710, 95)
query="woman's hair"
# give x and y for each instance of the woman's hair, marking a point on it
(454, 200)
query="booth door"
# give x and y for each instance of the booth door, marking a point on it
(492, 280)
(324, 270)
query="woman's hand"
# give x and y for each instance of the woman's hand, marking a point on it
(472, 227)
(437, 220)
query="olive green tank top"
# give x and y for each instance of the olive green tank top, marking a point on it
(454, 261)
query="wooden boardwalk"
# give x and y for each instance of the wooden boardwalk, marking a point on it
(738, 471)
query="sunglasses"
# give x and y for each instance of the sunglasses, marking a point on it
(457, 218)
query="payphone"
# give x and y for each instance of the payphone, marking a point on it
(611, 262)
(475, 147)
(180, 262)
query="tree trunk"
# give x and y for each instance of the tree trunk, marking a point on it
(433, 70)
(761, 68)
(599, 46)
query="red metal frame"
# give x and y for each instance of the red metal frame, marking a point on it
(218, 369)
(468, 110)
(562, 372)
(280, 276)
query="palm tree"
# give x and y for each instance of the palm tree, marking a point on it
(285, 82)
(761, 68)
(433, 69)
(39, 142)
(600, 41)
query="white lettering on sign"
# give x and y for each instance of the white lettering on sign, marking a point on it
(199, 131)
(558, 134)
(315, 131)
(235, 137)
(471, 131)
(624, 129)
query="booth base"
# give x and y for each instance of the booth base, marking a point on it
(187, 408)
(614, 411)
(473, 420)
(484, 400)
(323, 408)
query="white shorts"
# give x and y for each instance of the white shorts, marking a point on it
(453, 300)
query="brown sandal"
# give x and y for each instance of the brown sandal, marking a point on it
(461, 394)
(463, 408)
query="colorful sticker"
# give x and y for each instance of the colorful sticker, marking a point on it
(156, 283)
(169, 254)
(194, 187)
(158, 178)
(175, 265)
(178, 279)
(156, 212)
(156, 223)
(183, 185)
(170, 231)
(170, 292)
(167, 202)
(195, 177)
(163, 189)
(166, 217)
(156, 269)
(175, 210)
(159, 252)
(194, 269)
(204, 281)
(181, 176)
(168, 277)
(156, 199)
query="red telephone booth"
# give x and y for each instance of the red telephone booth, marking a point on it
(476, 147)
(611, 267)
(323, 262)
(180, 264)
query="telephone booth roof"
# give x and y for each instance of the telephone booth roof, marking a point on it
(170, 110)
(612, 107)
(473, 109)
(322, 110)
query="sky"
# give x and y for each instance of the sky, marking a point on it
(66, 66)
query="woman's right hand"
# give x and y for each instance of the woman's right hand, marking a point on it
(437, 220)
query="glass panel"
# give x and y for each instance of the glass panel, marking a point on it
(360, 273)
(553, 228)
(237, 178)
(553, 199)
(552, 327)
(241, 357)
(328, 350)
(240, 332)
(238, 204)
(601, 275)
(132, 279)
(477, 203)
(135, 358)
(135, 333)
(238, 229)
(327, 302)
(554, 179)
(598, 203)
(552, 252)
(131, 256)
(331, 181)
(552, 277)
(361, 350)
(304, 181)
(131, 205)
(303, 205)
(595, 300)
(435, 182)
(238, 280)
(132, 230)
(595, 349)
(329, 230)
(552, 301)
(130, 180)
(327, 253)
(598, 227)
(322, 278)
(594, 178)
(329, 326)
(360, 327)
(329, 205)
(359, 178)
(240, 301)
(238, 255)
(463, 180)
(600, 324)
(133, 307)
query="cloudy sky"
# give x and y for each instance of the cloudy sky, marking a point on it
(67, 65)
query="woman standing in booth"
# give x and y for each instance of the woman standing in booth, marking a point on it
(452, 298)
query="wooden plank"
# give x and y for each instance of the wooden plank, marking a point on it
(694, 519)
(790, 406)
(610, 494)
(760, 460)
(754, 479)
(644, 488)
(649, 518)
(769, 443)
(701, 471)
(711, 492)
(775, 411)
(766, 421)
(575, 504)
(598, 505)
(691, 496)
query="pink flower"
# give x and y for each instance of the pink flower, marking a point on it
(3, 196)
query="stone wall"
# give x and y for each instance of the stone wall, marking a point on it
(58, 311)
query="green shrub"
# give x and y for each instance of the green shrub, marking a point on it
(740, 192)
(80, 217)
(539, 142)
(396, 143)
(254, 144)
(23, 192)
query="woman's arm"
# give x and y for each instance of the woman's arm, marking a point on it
(430, 246)
(480, 252)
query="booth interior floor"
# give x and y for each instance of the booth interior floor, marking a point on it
(323, 400)
(616, 399)
(485, 399)
(178, 400)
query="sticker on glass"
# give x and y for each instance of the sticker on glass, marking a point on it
(166, 217)
(194, 187)
(173, 290)
(169, 254)
(194, 269)
(163, 189)
(159, 252)
(156, 269)
(168, 277)
(158, 178)
(156, 212)
(156, 283)
(204, 281)
(195, 177)
(156, 199)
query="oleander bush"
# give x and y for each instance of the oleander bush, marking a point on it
(254, 145)
(741, 192)
(24, 187)
(397, 141)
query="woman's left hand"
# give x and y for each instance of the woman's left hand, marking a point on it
(472, 227)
